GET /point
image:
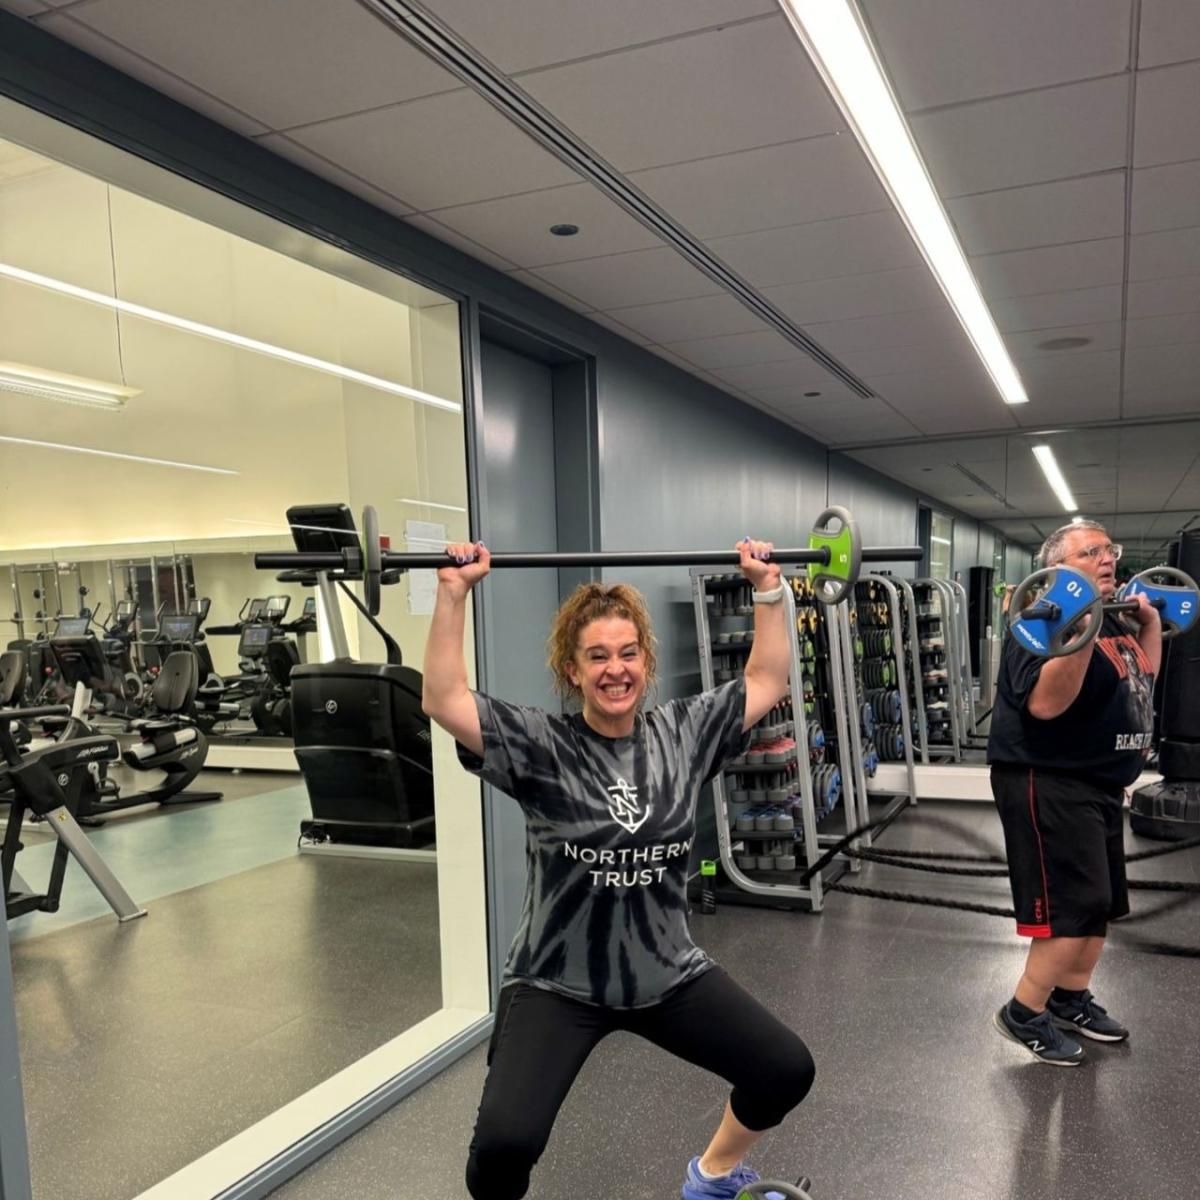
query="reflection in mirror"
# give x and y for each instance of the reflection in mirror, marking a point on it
(170, 389)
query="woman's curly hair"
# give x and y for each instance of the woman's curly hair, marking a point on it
(590, 602)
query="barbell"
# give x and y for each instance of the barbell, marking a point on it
(834, 548)
(1058, 610)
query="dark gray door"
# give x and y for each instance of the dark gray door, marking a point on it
(518, 436)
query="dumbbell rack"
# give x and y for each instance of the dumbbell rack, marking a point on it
(962, 649)
(912, 659)
(880, 632)
(711, 605)
(936, 639)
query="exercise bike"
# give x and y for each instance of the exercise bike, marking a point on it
(166, 750)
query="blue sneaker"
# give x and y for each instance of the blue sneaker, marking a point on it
(696, 1187)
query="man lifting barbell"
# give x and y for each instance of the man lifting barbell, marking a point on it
(1070, 731)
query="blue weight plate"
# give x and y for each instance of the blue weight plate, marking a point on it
(1069, 596)
(1178, 604)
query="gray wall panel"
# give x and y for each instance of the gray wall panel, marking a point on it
(885, 511)
(966, 546)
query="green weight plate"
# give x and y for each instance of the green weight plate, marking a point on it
(835, 579)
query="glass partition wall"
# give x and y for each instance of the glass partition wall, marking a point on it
(175, 372)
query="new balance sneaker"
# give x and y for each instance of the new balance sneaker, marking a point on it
(1042, 1038)
(1084, 1016)
(727, 1187)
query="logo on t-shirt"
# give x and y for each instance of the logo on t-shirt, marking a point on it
(624, 807)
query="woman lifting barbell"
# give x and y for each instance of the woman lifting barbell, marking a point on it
(609, 796)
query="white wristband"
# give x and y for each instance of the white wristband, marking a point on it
(772, 597)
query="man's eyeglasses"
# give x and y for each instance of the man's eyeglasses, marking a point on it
(1097, 552)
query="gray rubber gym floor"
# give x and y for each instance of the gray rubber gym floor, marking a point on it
(258, 974)
(917, 1096)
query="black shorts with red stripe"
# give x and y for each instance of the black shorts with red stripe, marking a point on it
(1065, 840)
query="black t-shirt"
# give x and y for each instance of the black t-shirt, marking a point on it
(1107, 732)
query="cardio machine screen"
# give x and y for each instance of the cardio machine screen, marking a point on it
(254, 640)
(179, 628)
(71, 627)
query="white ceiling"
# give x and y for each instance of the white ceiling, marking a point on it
(1061, 134)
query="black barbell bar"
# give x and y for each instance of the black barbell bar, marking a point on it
(394, 560)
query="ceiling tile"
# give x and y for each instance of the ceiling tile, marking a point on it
(1083, 306)
(284, 62)
(547, 289)
(519, 34)
(1160, 255)
(683, 320)
(801, 373)
(1158, 297)
(1074, 130)
(453, 238)
(1050, 268)
(945, 419)
(712, 93)
(1152, 365)
(630, 335)
(1025, 344)
(1083, 398)
(1165, 197)
(944, 51)
(624, 280)
(1170, 330)
(766, 188)
(1182, 397)
(1071, 210)
(820, 250)
(1170, 32)
(1165, 126)
(1069, 364)
(924, 387)
(518, 227)
(927, 327)
(440, 151)
(738, 349)
(887, 360)
(280, 144)
(857, 295)
(62, 26)
(831, 394)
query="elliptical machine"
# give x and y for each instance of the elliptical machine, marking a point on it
(362, 742)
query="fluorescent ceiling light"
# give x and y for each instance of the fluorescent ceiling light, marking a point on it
(55, 385)
(933, 537)
(157, 462)
(833, 34)
(223, 335)
(1075, 520)
(430, 504)
(1054, 476)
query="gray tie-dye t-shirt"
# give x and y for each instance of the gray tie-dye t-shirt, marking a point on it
(609, 827)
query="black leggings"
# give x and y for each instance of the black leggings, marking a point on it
(542, 1039)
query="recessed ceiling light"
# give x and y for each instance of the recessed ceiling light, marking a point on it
(1064, 343)
(811, 394)
(564, 230)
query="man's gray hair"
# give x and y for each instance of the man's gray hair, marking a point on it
(1052, 548)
